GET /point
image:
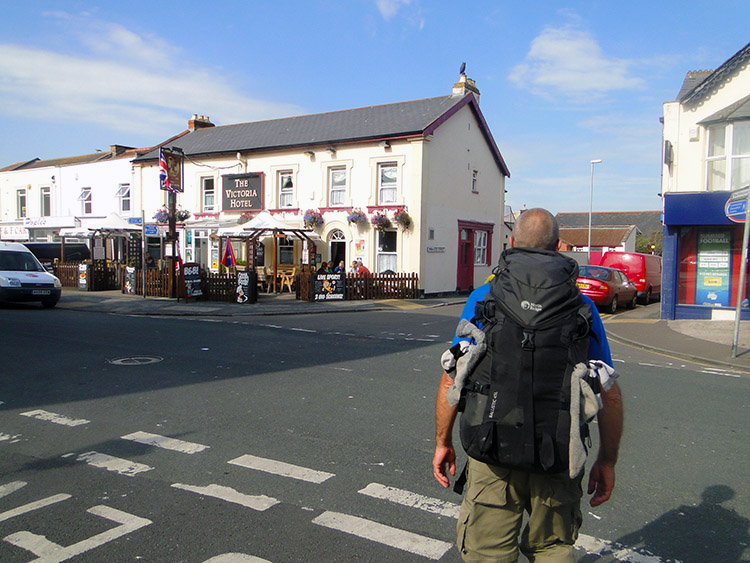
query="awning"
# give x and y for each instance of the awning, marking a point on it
(112, 225)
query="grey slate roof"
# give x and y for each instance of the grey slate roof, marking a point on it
(705, 87)
(646, 221)
(387, 121)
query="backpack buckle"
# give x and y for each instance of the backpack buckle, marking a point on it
(528, 341)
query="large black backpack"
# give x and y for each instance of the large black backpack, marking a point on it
(516, 403)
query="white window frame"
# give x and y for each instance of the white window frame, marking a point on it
(45, 201)
(87, 206)
(21, 201)
(390, 187)
(337, 197)
(728, 162)
(286, 192)
(386, 259)
(123, 192)
(205, 206)
(480, 248)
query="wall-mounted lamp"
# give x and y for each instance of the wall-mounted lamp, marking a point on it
(385, 144)
(331, 150)
(309, 153)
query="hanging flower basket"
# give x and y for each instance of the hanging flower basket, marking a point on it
(244, 218)
(380, 221)
(181, 214)
(313, 219)
(402, 218)
(357, 217)
(162, 214)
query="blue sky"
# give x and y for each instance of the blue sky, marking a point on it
(561, 83)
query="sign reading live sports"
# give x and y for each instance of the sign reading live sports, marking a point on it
(242, 192)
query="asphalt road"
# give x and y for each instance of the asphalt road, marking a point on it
(291, 438)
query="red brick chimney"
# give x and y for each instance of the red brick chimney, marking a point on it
(199, 122)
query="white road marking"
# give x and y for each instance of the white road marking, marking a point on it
(387, 535)
(56, 418)
(595, 546)
(412, 500)
(12, 437)
(303, 330)
(165, 442)
(281, 468)
(50, 552)
(110, 463)
(36, 505)
(236, 558)
(257, 502)
(11, 487)
(716, 371)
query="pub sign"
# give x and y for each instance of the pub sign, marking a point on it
(242, 192)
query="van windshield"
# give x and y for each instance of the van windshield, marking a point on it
(18, 262)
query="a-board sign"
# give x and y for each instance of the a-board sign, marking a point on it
(83, 277)
(329, 287)
(243, 287)
(129, 287)
(191, 275)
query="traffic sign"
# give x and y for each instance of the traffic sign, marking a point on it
(150, 230)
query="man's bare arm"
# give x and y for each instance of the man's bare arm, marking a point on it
(445, 416)
(610, 420)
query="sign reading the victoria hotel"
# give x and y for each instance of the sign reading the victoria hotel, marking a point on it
(242, 192)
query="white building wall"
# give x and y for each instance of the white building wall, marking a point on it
(688, 170)
(457, 148)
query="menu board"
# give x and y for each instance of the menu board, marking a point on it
(191, 275)
(714, 268)
(129, 287)
(243, 287)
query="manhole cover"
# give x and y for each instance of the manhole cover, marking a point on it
(136, 360)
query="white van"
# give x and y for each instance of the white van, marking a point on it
(23, 278)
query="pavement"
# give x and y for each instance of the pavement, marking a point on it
(701, 341)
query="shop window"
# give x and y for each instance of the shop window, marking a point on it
(123, 193)
(286, 188)
(480, 248)
(208, 195)
(21, 203)
(46, 202)
(387, 251)
(387, 183)
(337, 186)
(86, 203)
(728, 156)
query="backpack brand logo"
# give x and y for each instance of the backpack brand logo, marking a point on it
(529, 306)
(493, 405)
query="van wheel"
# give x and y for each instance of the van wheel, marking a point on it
(612, 307)
(647, 299)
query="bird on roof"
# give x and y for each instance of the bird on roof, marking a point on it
(462, 70)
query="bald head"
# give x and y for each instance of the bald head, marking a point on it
(536, 228)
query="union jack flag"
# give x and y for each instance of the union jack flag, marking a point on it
(164, 182)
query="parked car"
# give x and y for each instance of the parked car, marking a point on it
(23, 278)
(644, 270)
(608, 288)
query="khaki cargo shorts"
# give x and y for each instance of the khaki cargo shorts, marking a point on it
(491, 515)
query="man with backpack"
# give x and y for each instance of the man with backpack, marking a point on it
(530, 365)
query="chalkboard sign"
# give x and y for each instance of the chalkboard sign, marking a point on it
(329, 287)
(191, 274)
(129, 287)
(243, 287)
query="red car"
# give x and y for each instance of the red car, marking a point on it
(607, 287)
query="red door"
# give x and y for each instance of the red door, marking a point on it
(465, 270)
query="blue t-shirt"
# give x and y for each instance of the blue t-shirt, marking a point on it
(598, 346)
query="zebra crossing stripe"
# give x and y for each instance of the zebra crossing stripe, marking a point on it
(47, 416)
(412, 500)
(259, 502)
(282, 469)
(387, 535)
(165, 442)
(110, 463)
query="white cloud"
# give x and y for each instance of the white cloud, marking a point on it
(570, 63)
(389, 8)
(123, 81)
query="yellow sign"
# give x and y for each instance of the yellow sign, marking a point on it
(712, 282)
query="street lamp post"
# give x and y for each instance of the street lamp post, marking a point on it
(591, 203)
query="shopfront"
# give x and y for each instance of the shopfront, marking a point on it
(702, 257)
